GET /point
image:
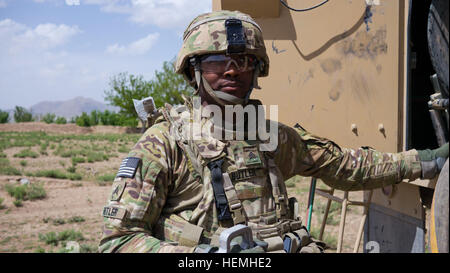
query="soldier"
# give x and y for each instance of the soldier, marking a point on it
(177, 194)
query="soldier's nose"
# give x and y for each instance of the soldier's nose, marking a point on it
(232, 71)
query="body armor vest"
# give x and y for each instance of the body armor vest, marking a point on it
(251, 182)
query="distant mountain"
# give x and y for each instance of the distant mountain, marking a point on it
(70, 108)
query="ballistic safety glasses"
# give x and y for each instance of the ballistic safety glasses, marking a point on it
(220, 63)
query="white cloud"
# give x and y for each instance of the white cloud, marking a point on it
(48, 35)
(9, 27)
(55, 2)
(138, 47)
(169, 14)
(16, 37)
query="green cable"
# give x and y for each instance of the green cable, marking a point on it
(311, 202)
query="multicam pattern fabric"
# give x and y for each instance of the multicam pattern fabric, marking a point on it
(167, 192)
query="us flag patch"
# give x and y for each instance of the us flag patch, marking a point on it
(128, 167)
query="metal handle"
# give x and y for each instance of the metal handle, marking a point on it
(229, 234)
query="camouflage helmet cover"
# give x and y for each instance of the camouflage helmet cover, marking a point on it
(206, 34)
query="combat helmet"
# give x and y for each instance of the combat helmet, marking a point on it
(221, 32)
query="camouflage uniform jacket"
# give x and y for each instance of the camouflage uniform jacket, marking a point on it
(166, 190)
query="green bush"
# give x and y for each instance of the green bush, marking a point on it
(35, 191)
(58, 174)
(60, 120)
(96, 157)
(22, 115)
(26, 153)
(70, 235)
(74, 176)
(76, 160)
(76, 219)
(105, 118)
(94, 118)
(72, 169)
(108, 118)
(26, 192)
(39, 249)
(58, 221)
(51, 173)
(4, 117)
(49, 118)
(18, 203)
(6, 169)
(123, 149)
(106, 177)
(51, 238)
(83, 120)
(86, 248)
(43, 149)
(18, 192)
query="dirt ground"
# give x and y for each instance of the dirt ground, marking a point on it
(20, 226)
(69, 128)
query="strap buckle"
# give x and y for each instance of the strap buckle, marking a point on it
(236, 212)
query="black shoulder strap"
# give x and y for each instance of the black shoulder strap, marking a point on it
(219, 193)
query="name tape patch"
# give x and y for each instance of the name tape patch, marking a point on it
(128, 167)
(114, 212)
(244, 174)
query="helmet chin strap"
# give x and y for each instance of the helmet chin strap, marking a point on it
(223, 98)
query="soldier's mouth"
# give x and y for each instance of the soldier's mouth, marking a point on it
(230, 87)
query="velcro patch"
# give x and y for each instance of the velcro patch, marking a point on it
(114, 212)
(244, 174)
(251, 156)
(118, 188)
(128, 167)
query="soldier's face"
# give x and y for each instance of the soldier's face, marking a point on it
(230, 75)
(232, 81)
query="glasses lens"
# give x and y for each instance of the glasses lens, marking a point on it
(221, 63)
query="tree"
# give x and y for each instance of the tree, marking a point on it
(60, 120)
(4, 116)
(94, 118)
(125, 88)
(22, 115)
(166, 87)
(83, 120)
(49, 118)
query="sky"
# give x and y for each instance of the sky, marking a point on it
(53, 50)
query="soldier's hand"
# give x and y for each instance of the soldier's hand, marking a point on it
(432, 161)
